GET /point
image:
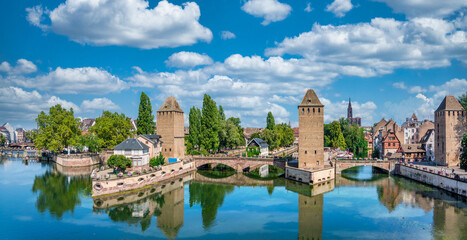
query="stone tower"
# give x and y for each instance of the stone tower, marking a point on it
(449, 129)
(349, 110)
(311, 132)
(170, 125)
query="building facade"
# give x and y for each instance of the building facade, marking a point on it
(259, 143)
(390, 144)
(428, 143)
(449, 129)
(153, 142)
(170, 126)
(135, 150)
(310, 121)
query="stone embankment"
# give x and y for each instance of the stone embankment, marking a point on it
(104, 183)
(432, 178)
(78, 160)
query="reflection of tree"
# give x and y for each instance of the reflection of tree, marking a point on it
(211, 197)
(59, 193)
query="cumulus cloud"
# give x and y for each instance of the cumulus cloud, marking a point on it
(23, 66)
(270, 10)
(87, 80)
(412, 89)
(308, 7)
(17, 104)
(188, 60)
(378, 47)
(101, 104)
(339, 7)
(425, 8)
(227, 35)
(124, 23)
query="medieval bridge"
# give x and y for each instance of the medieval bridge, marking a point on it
(240, 164)
(342, 164)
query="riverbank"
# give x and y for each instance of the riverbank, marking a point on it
(429, 177)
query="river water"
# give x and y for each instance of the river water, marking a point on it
(42, 201)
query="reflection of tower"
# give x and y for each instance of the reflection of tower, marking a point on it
(449, 220)
(310, 217)
(171, 219)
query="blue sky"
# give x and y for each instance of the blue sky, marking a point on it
(392, 58)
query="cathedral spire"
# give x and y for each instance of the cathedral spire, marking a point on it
(349, 110)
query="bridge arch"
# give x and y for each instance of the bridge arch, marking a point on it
(342, 165)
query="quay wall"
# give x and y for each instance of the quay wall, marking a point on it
(115, 185)
(77, 160)
(309, 176)
(433, 179)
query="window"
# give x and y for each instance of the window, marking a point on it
(308, 110)
(313, 110)
(306, 152)
(317, 162)
(319, 109)
(315, 152)
(303, 110)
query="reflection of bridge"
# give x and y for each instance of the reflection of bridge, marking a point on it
(341, 165)
(240, 164)
(236, 179)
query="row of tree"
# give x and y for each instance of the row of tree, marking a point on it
(276, 135)
(340, 134)
(59, 129)
(210, 131)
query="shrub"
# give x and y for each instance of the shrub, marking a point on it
(159, 160)
(119, 161)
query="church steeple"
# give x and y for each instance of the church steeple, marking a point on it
(349, 110)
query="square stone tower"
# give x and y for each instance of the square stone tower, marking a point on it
(170, 125)
(311, 132)
(449, 129)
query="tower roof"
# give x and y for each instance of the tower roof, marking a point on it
(170, 105)
(350, 103)
(449, 103)
(414, 117)
(310, 100)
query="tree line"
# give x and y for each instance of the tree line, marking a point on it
(276, 135)
(59, 129)
(210, 131)
(340, 134)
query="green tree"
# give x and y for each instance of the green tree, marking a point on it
(119, 161)
(221, 113)
(271, 137)
(91, 141)
(57, 130)
(30, 135)
(112, 129)
(270, 123)
(145, 123)
(209, 125)
(286, 134)
(464, 152)
(156, 161)
(336, 138)
(463, 100)
(194, 121)
(241, 135)
(2, 140)
(355, 140)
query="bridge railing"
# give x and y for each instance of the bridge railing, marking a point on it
(223, 156)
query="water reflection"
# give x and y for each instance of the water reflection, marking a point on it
(58, 193)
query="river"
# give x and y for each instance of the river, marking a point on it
(42, 201)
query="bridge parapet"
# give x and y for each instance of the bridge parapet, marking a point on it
(385, 165)
(240, 164)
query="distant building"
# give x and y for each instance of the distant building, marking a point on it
(20, 135)
(9, 133)
(153, 142)
(383, 128)
(369, 139)
(134, 126)
(350, 117)
(428, 143)
(389, 144)
(310, 121)
(259, 143)
(86, 124)
(250, 131)
(170, 126)
(449, 129)
(135, 150)
(412, 152)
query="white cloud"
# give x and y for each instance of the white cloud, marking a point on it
(425, 8)
(23, 66)
(308, 7)
(270, 10)
(188, 60)
(339, 7)
(98, 104)
(17, 104)
(227, 35)
(412, 89)
(87, 80)
(124, 23)
(379, 47)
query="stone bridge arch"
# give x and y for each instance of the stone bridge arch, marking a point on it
(385, 166)
(238, 163)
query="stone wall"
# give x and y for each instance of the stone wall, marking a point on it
(310, 176)
(103, 187)
(433, 179)
(77, 160)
